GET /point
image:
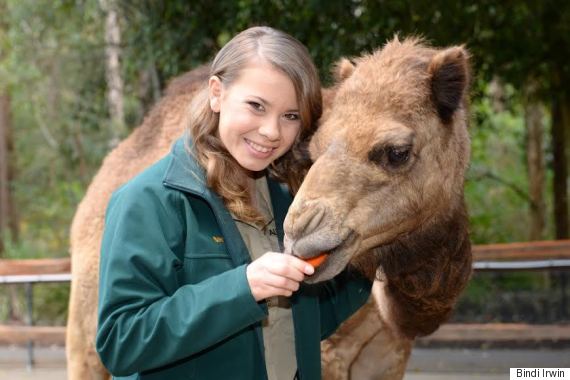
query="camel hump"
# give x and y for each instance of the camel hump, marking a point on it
(188, 82)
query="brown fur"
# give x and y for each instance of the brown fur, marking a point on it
(402, 216)
(424, 273)
(365, 347)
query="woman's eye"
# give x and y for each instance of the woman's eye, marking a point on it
(292, 116)
(256, 106)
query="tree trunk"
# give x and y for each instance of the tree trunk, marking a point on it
(533, 113)
(8, 215)
(113, 69)
(3, 172)
(560, 124)
(560, 167)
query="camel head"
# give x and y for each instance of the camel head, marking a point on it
(389, 156)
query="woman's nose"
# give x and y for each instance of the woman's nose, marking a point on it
(270, 129)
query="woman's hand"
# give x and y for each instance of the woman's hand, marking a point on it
(276, 274)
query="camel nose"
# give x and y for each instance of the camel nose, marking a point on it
(304, 219)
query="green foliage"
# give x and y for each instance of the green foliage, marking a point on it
(58, 111)
(496, 181)
(49, 303)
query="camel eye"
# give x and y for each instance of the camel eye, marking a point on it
(390, 156)
(398, 156)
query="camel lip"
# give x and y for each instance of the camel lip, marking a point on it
(331, 254)
(310, 246)
(337, 260)
(329, 251)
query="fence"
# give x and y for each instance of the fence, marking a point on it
(533, 256)
(30, 272)
(543, 255)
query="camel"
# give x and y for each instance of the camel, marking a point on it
(384, 196)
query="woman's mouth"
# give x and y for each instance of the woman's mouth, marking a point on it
(259, 150)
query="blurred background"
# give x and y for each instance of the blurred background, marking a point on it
(77, 76)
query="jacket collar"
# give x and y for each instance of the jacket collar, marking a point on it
(185, 173)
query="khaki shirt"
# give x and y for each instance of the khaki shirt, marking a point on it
(278, 334)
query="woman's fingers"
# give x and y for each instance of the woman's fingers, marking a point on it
(281, 282)
(288, 266)
(276, 274)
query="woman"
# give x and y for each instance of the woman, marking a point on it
(191, 282)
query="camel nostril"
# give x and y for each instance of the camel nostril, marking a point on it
(318, 214)
(305, 220)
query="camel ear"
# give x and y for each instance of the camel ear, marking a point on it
(449, 70)
(343, 69)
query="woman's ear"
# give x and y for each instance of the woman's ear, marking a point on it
(215, 93)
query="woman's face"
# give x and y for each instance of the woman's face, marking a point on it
(259, 114)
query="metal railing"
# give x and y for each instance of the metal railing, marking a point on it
(541, 255)
(30, 272)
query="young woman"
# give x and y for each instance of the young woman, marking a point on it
(192, 284)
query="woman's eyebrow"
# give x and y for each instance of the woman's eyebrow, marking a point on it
(262, 100)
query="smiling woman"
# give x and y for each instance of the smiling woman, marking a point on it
(191, 269)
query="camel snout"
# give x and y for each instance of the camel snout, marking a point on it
(304, 219)
(310, 229)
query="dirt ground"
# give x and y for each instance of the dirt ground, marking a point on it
(425, 364)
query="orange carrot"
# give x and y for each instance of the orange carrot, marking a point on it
(317, 260)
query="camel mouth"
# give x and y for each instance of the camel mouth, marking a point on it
(333, 253)
(337, 259)
(315, 260)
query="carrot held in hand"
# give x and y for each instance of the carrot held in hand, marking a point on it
(317, 260)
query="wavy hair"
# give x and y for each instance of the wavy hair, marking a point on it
(223, 173)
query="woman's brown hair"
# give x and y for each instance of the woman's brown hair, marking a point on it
(224, 175)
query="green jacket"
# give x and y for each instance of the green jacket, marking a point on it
(174, 301)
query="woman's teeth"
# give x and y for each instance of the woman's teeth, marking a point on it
(258, 148)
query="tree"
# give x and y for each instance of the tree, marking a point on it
(8, 215)
(534, 58)
(4, 168)
(113, 69)
(534, 116)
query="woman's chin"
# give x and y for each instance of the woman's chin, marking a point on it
(254, 164)
(254, 168)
